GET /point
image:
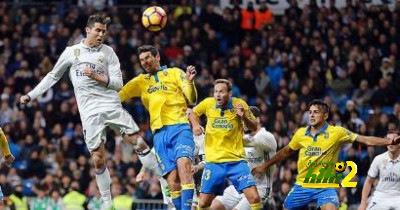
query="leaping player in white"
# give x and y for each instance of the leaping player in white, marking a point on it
(94, 70)
(387, 193)
(259, 146)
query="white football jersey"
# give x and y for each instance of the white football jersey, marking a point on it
(388, 171)
(92, 97)
(199, 146)
(259, 148)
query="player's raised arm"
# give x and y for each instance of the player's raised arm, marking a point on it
(282, 155)
(187, 84)
(247, 117)
(51, 78)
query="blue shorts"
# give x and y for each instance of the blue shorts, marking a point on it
(172, 142)
(300, 197)
(215, 175)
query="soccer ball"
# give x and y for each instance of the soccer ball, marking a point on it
(340, 167)
(154, 18)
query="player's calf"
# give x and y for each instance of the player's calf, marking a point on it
(98, 157)
(253, 197)
(206, 200)
(136, 142)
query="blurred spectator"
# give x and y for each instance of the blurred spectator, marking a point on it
(74, 199)
(19, 201)
(263, 16)
(335, 54)
(363, 94)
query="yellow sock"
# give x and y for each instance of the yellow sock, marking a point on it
(175, 194)
(188, 186)
(256, 206)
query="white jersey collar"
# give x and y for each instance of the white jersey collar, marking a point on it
(90, 48)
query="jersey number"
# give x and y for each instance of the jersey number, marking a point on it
(207, 174)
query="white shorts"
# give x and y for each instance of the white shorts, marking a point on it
(232, 199)
(94, 126)
(379, 203)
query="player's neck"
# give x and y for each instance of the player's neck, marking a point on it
(90, 44)
(255, 132)
(394, 154)
(316, 128)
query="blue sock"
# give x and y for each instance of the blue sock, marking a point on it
(187, 196)
(176, 199)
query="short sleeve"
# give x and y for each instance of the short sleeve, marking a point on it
(374, 168)
(294, 144)
(201, 108)
(344, 135)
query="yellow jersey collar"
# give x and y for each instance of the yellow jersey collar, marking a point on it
(322, 130)
(227, 107)
(161, 68)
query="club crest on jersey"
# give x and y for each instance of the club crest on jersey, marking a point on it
(101, 59)
(147, 77)
(165, 73)
(326, 135)
(77, 52)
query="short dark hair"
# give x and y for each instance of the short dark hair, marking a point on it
(321, 104)
(256, 111)
(147, 48)
(98, 18)
(224, 81)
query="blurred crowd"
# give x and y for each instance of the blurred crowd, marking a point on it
(348, 57)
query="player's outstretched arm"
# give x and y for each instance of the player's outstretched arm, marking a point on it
(51, 78)
(365, 192)
(282, 155)
(377, 141)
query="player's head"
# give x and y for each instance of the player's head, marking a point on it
(96, 28)
(257, 113)
(222, 91)
(319, 112)
(392, 135)
(149, 58)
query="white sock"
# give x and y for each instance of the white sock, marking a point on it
(149, 161)
(103, 180)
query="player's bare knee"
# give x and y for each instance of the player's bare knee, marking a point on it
(205, 203)
(98, 160)
(253, 198)
(184, 170)
(173, 181)
(136, 141)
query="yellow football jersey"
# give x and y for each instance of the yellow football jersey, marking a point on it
(323, 148)
(164, 94)
(224, 130)
(5, 149)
